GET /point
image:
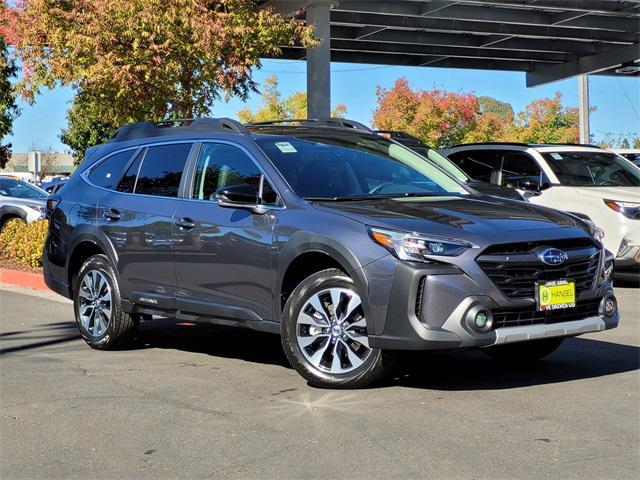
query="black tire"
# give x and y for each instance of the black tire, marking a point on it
(374, 367)
(122, 326)
(524, 352)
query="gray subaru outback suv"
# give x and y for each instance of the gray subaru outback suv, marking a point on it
(346, 244)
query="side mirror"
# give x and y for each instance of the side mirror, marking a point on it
(240, 196)
(529, 185)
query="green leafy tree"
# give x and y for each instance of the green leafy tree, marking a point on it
(132, 60)
(502, 110)
(274, 107)
(8, 107)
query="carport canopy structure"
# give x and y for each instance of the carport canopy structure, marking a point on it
(549, 40)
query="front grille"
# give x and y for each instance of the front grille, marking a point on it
(515, 317)
(515, 268)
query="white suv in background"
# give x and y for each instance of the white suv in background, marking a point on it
(582, 179)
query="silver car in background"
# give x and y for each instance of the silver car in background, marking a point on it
(21, 201)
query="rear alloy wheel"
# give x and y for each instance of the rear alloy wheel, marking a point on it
(324, 334)
(96, 300)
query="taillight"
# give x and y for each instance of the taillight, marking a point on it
(52, 203)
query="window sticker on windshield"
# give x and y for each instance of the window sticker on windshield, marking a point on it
(286, 147)
(556, 156)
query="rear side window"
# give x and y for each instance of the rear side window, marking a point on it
(478, 164)
(221, 165)
(108, 173)
(157, 171)
(128, 181)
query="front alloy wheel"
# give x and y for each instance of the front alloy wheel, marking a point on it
(324, 333)
(332, 331)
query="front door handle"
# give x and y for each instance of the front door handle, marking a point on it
(185, 223)
(112, 214)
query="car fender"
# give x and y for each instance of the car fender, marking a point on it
(309, 242)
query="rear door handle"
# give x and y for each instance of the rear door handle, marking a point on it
(112, 214)
(185, 223)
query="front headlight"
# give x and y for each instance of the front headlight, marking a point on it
(628, 209)
(416, 247)
(38, 208)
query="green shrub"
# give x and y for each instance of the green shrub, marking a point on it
(23, 242)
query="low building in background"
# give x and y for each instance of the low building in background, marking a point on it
(35, 166)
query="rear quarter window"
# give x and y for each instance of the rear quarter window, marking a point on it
(107, 173)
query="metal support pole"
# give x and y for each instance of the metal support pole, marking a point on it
(319, 61)
(583, 108)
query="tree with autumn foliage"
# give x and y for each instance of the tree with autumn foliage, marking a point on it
(438, 117)
(546, 121)
(8, 107)
(274, 107)
(442, 119)
(133, 60)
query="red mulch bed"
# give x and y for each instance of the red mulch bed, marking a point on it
(13, 264)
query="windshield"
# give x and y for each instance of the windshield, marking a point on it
(351, 165)
(592, 169)
(19, 189)
(445, 163)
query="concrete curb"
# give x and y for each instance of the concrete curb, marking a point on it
(22, 279)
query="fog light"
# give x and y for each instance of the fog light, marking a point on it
(481, 319)
(609, 306)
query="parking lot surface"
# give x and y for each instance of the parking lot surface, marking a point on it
(203, 401)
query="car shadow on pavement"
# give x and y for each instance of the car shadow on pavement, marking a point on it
(575, 359)
(214, 340)
(40, 336)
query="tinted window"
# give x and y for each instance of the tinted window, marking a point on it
(108, 172)
(346, 164)
(162, 169)
(221, 165)
(592, 169)
(518, 166)
(478, 164)
(128, 181)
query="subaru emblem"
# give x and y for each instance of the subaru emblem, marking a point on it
(553, 256)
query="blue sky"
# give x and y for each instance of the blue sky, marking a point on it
(617, 100)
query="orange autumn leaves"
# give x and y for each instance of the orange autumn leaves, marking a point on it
(442, 118)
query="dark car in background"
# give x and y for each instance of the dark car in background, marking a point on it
(434, 155)
(348, 245)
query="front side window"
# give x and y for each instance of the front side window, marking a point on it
(347, 165)
(517, 167)
(108, 172)
(592, 169)
(478, 164)
(221, 165)
(10, 187)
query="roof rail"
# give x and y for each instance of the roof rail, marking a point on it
(176, 127)
(519, 144)
(569, 144)
(314, 122)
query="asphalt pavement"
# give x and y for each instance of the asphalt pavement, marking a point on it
(203, 401)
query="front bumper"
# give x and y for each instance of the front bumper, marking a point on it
(430, 309)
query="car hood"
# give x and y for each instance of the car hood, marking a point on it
(623, 194)
(467, 216)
